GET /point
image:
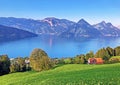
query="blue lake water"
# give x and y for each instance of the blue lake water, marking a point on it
(55, 47)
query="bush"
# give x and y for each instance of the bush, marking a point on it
(79, 59)
(114, 60)
(68, 61)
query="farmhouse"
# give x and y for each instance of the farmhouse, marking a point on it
(95, 61)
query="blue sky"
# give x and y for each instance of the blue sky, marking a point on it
(93, 11)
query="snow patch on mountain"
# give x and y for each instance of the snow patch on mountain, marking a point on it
(48, 21)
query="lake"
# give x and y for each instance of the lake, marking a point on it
(55, 47)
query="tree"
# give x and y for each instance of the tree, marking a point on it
(14, 67)
(4, 64)
(79, 59)
(110, 51)
(89, 55)
(103, 53)
(18, 65)
(39, 60)
(82, 59)
(117, 51)
(61, 61)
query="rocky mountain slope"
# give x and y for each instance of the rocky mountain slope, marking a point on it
(10, 33)
(107, 29)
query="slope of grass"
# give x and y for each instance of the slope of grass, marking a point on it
(71, 74)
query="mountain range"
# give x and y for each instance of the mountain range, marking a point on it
(62, 27)
(10, 33)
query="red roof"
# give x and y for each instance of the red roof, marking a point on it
(95, 61)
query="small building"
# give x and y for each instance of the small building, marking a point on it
(95, 61)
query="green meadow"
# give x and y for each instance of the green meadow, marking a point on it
(69, 74)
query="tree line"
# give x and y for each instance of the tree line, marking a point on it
(105, 53)
(40, 61)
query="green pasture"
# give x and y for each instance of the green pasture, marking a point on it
(70, 74)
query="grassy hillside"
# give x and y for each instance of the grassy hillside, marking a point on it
(72, 74)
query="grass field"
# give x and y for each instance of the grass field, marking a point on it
(71, 74)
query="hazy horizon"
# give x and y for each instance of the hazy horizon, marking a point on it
(93, 11)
